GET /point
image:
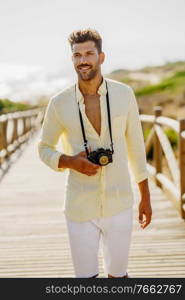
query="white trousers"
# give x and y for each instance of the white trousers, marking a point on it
(84, 240)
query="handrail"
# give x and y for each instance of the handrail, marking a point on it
(11, 138)
(174, 187)
(15, 129)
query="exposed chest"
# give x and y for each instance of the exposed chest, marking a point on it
(93, 111)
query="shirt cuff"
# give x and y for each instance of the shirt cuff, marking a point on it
(141, 176)
(55, 160)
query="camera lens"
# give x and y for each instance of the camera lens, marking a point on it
(103, 160)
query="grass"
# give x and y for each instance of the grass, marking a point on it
(8, 106)
(171, 135)
(170, 84)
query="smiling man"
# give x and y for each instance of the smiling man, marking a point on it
(99, 124)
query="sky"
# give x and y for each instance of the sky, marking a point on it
(135, 33)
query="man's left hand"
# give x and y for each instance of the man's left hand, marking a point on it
(145, 211)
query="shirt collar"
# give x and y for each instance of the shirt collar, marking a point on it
(102, 90)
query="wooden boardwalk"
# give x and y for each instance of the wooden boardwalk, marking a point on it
(33, 236)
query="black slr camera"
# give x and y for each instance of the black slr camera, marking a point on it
(101, 156)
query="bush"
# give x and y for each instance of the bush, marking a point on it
(7, 106)
(170, 84)
(172, 136)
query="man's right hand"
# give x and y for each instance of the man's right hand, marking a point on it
(80, 163)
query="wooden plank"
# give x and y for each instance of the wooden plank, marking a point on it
(173, 124)
(33, 235)
(169, 155)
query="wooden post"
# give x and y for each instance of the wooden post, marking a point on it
(15, 133)
(3, 134)
(3, 138)
(182, 165)
(157, 147)
(24, 124)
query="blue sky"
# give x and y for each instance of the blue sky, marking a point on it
(135, 32)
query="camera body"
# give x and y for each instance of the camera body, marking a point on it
(100, 156)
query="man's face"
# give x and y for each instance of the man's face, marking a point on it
(86, 60)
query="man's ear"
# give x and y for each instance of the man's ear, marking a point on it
(102, 57)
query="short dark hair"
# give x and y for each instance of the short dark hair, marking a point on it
(84, 35)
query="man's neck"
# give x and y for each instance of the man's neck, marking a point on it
(90, 87)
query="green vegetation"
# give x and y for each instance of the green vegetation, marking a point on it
(171, 84)
(170, 133)
(126, 80)
(7, 106)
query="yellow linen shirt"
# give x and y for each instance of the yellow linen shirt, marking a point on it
(109, 191)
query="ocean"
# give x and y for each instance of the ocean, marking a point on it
(28, 83)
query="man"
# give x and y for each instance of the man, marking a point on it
(99, 198)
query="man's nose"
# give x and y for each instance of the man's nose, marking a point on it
(83, 60)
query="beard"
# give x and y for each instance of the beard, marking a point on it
(89, 75)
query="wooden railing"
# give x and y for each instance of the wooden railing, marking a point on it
(15, 129)
(174, 186)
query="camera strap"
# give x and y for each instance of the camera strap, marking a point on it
(109, 122)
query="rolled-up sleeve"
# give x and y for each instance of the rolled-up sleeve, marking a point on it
(51, 130)
(135, 141)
